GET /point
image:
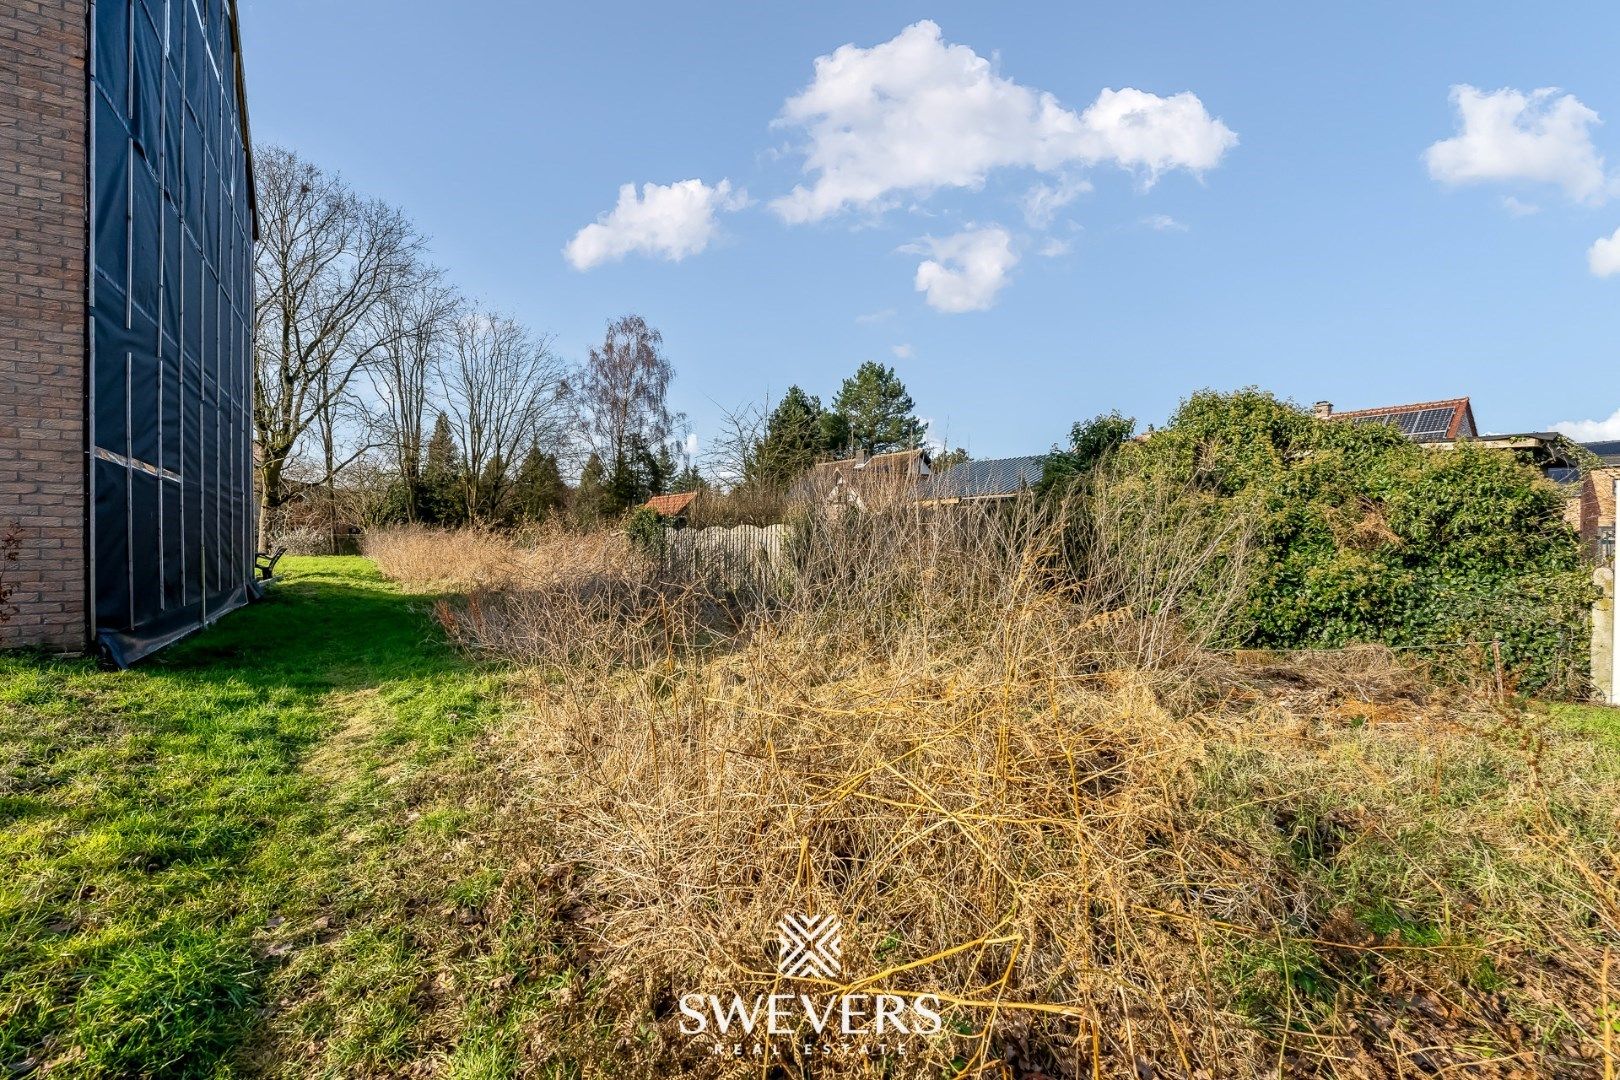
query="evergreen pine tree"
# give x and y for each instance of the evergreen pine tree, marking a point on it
(441, 477)
(538, 490)
(490, 501)
(879, 410)
(662, 471)
(590, 495)
(835, 434)
(688, 479)
(795, 438)
(623, 486)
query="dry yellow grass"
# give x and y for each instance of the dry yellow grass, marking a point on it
(426, 559)
(1005, 754)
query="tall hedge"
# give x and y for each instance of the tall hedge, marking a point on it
(1363, 535)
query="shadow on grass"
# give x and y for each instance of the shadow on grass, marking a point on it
(151, 820)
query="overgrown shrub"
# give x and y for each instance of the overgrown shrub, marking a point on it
(995, 744)
(758, 503)
(1363, 535)
(644, 528)
(998, 745)
(427, 559)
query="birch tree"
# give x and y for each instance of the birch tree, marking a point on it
(622, 391)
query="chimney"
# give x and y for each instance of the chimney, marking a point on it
(1322, 410)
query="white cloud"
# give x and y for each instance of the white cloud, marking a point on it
(1591, 430)
(1136, 129)
(1163, 223)
(1055, 248)
(1508, 135)
(903, 352)
(967, 270)
(669, 221)
(1604, 255)
(1042, 202)
(914, 114)
(875, 316)
(1518, 207)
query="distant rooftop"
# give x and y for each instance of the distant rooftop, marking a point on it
(1608, 451)
(1423, 421)
(670, 505)
(987, 479)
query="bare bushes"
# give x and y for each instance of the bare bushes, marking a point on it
(970, 736)
(425, 559)
(1003, 748)
(755, 504)
(1094, 884)
(555, 597)
(1129, 574)
(1159, 562)
(623, 615)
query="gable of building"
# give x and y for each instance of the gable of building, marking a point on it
(1423, 421)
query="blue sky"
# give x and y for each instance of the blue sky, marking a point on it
(1261, 208)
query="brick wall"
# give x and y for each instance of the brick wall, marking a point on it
(1597, 516)
(42, 317)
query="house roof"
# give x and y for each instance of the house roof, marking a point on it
(1423, 421)
(894, 463)
(878, 463)
(889, 475)
(987, 479)
(1608, 451)
(670, 505)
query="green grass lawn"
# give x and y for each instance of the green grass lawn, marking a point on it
(1602, 721)
(173, 835)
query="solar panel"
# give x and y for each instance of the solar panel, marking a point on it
(1431, 423)
(1418, 424)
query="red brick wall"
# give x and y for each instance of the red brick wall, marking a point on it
(1597, 504)
(43, 49)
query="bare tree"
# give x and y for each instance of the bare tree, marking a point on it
(622, 391)
(326, 259)
(362, 499)
(732, 450)
(418, 325)
(504, 391)
(342, 434)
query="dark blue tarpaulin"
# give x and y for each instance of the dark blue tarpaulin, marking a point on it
(171, 239)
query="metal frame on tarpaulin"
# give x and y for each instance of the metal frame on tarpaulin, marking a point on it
(1614, 607)
(169, 425)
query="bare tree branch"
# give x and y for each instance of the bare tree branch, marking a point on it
(326, 259)
(504, 391)
(418, 324)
